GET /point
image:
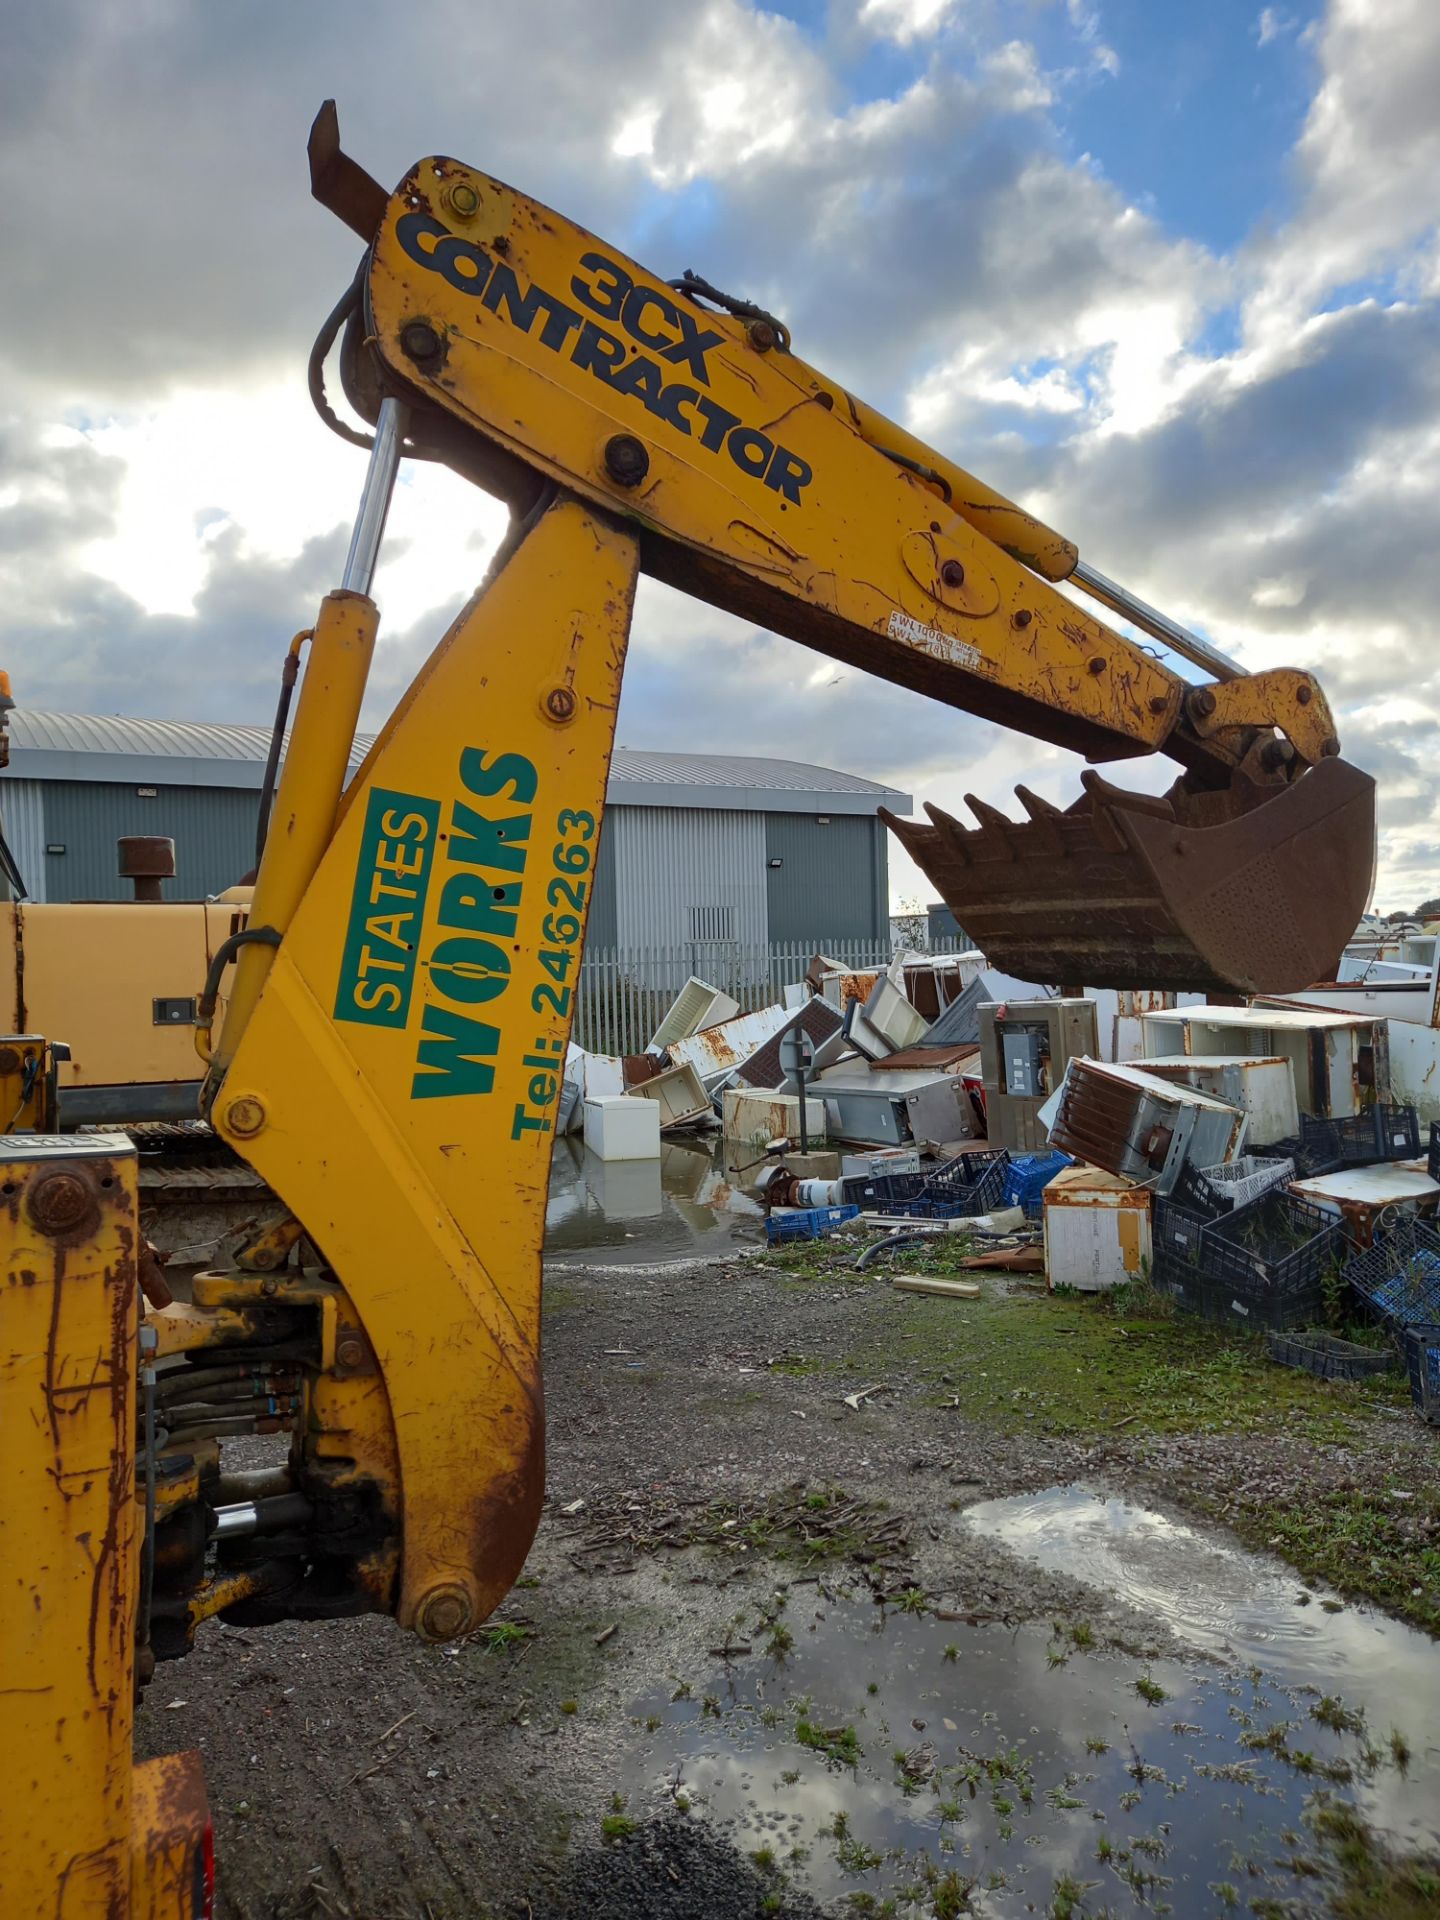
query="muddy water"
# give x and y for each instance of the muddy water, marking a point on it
(686, 1203)
(1222, 1600)
(1010, 1758)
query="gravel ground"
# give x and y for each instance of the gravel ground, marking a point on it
(354, 1771)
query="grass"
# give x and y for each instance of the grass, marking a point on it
(840, 1745)
(503, 1637)
(1373, 1885)
(1075, 1365)
(1361, 1544)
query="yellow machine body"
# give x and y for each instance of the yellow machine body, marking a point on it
(86, 1832)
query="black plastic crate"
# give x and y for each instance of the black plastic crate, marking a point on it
(1249, 1303)
(1310, 1157)
(1329, 1358)
(1399, 1275)
(970, 1183)
(1278, 1244)
(1381, 1132)
(1176, 1228)
(1433, 1162)
(1196, 1195)
(1422, 1362)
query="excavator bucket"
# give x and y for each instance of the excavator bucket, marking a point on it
(1253, 889)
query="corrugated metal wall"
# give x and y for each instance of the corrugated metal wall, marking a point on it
(686, 874)
(600, 928)
(22, 812)
(213, 829)
(833, 881)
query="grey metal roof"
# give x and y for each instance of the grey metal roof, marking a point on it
(114, 747)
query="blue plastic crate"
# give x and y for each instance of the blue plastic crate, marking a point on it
(1400, 1274)
(806, 1223)
(1422, 1362)
(1027, 1177)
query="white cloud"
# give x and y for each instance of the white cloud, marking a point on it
(906, 20)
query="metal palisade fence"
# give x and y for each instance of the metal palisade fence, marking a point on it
(623, 994)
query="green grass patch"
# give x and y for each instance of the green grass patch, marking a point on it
(1360, 1543)
(1076, 1365)
(1373, 1884)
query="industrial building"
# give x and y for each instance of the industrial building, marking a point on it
(699, 849)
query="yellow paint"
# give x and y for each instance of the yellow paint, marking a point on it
(48, 982)
(81, 1830)
(1128, 1223)
(326, 714)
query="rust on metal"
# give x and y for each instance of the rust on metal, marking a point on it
(1253, 889)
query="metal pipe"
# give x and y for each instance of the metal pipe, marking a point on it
(1158, 625)
(261, 1516)
(375, 500)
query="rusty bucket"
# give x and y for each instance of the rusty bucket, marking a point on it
(1253, 889)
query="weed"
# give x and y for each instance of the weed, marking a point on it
(1082, 1634)
(617, 1826)
(569, 1706)
(1068, 1900)
(1095, 1745)
(913, 1600)
(855, 1857)
(653, 1723)
(952, 1652)
(790, 1776)
(1150, 1690)
(1399, 1749)
(503, 1635)
(764, 1859)
(780, 1642)
(1333, 1713)
(840, 1745)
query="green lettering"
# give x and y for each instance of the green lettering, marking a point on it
(455, 1055)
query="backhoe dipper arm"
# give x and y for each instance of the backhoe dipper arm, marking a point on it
(754, 481)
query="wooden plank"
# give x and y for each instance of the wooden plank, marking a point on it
(948, 1289)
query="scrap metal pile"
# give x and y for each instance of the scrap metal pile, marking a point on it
(1247, 1160)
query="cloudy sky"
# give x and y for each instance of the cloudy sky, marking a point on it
(1169, 272)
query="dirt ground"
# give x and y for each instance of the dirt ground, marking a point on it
(354, 1771)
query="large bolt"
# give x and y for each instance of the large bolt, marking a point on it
(952, 574)
(1202, 701)
(59, 1202)
(1158, 702)
(444, 1612)
(463, 199)
(9, 1060)
(1022, 619)
(420, 341)
(626, 460)
(761, 335)
(1302, 696)
(560, 704)
(1096, 663)
(350, 1351)
(1330, 747)
(245, 1115)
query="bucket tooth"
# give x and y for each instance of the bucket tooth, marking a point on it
(1251, 889)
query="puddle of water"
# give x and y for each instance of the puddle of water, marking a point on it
(997, 1766)
(883, 1752)
(630, 1211)
(1222, 1600)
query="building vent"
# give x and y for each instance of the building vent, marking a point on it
(712, 923)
